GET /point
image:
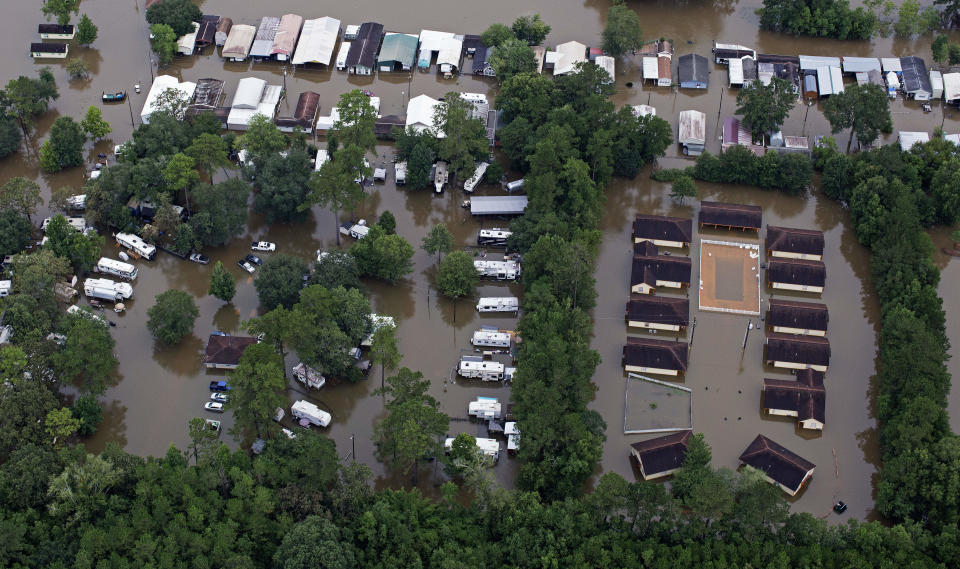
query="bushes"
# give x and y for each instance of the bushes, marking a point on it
(789, 172)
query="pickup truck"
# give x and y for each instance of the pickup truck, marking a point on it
(219, 386)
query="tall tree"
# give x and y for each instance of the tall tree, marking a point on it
(279, 281)
(94, 125)
(172, 316)
(283, 186)
(531, 29)
(222, 284)
(622, 32)
(411, 431)
(439, 241)
(279, 327)
(61, 9)
(87, 355)
(864, 109)
(209, 152)
(86, 31)
(382, 256)
(512, 57)
(457, 277)
(765, 107)
(683, 187)
(356, 120)
(10, 135)
(496, 34)
(178, 14)
(384, 350)
(28, 98)
(336, 269)
(14, 231)
(164, 43)
(203, 441)
(465, 138)
(261, 140)
(220, 211)
(335, 186)
(258, 389)
(21, 195)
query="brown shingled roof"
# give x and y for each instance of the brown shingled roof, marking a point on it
(785, 467)
(650, 269)
(663, 228)
(809, 350)
(792, 240)
(803, 315)
(226, 350)
(736, 216)
(659, 309)
(662, 454)
(797, 272)
(646, 249)
(806, 396)
(661, 354)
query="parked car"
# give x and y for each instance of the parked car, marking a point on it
(243, 264)
(214, 406)
(265, 246)
(254, 260)
(213, 425)
(218, 397)
(219, 386)
(198, 258)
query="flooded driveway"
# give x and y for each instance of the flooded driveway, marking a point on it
(159, 390)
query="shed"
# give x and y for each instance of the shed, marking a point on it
(798, 352)
(829, 81)
(749, 70)
(568, 55)
(223, 30)
(207, 34)
(781, 467)
(304, 116)
(810, 89)
(266, 34)
(661, 456)
(936, 84)
(693, 71)
(384, 126)
(286, 37)
(794, 243)
(692, 132)
(805, 399)
(916, 80)
(662, 357)
(317, 41)
(449, 55)
(481, 62)
(791, 317)
(420, 111)
(731, 216)
(498, 205)
(861, 64)
(56, 31)
(223, 352)
(735, 72)
(951, 87)
(658, 312)
(49, 50)
(727, 52)
(188, 42)
(650, 272)
(796, 274)
(607, 64)
(249, 91)
(908, 139)
(237, 45)
(206, 97)
(398, 52)
(662, 231)
(650, 69)
(362, 57)
(893, 84)
(808, 62)
(888, 64)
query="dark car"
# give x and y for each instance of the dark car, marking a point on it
(219, 386)
(254, 259)
(243, 264)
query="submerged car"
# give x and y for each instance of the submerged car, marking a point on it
(253, 260)
(265, 246)
(243, 264)
(198, 258)
(214, 406)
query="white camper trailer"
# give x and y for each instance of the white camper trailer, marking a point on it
(470, 184)
(376, 322)
(400, 173)
(489, 447)
(117, 268)
(357, 230)
(506, 270)
(107, 289)
(484, 408)
(494, 237)
(491, 339)
(5, 287)
(473, 367)
(309, 376)
(498, 304)
(137, 245)
(78, 202)
(305, 410)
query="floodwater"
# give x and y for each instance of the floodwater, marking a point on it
(160, 389)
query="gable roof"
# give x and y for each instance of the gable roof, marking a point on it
(363, 50)
(803, 315)
(660, 354)
(797, 272)
(673, 311)
(286, 35)
(649, 269)
(915, 77)
(65, 29)
(399, 48)
(806, 396)
(662, 228)
(692, 67)
(646, 249)
(662, 454)
(779, 463)
(810, 350)
(731, 215)
(226, 350)
(793, 240)
(317, 40)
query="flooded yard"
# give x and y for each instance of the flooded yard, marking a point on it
(160, 389)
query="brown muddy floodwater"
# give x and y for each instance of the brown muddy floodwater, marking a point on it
(159, 390)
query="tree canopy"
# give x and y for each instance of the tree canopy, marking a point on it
(765, 107)
(456, 276)
(622, 32)
(179, 15)
(864, 109)
(279, 281)
(172, 316)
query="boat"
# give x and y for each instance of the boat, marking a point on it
(116, 97)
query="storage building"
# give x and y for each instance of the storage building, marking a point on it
(304, 116)
(498, 205)
(266, 34)
(223, 352)
(49, 50)
(781, 467)
(317, 41)
(362, 57)
(223, 31)
(420, 114)
(160, 85)
(724, 53)
(608, 64)
(253, 97)
(658, 312)
(803, 318)
(397, 53)
(916, 80)
(663, 231)
(286, 37)
(794, 243)
(207, 34)
(861, 64)
(662, 357)
(796, 274)
(236, 47)
(566, 58)
(661, 456)
(798, 352)
(56, 31)
(805, 399)
(188, 42)
(936, 84)
(908, 139)
(951, 88)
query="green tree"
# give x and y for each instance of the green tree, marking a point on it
(382, 256)
(940, 48)
(335, 269)
(258, 389)
(496, 34)
(387, 222)
(61, 9)
(179, 15)
(864, 109)
(913, 20)
(683, 187)
(278, 327)
(164, 43)
(765, 107)
(438, 241)
(86, 31)
(21, 195)
(316, 543)
(357, 117)
(457, 276)
(88, 411)
(66, 143)
(463, 456)
(82, 485)
(220, 211)
(419, 163)
(511, 58)
(23, 409)
(412, 428)
(28, 98)
(209, 152)
(222, 284)
(10, 136)
(35, 274)
(335, 185)
(261, 140)
(179, 173)
(384, 350)
(77, 68)
(531, 29)
(172, 316)
(94, 125)
(14, 232)
(61, 425)
(465, 138)
(279, 281)
(204, 441)
(622, 32)
(184, 239)
(283, 184)
(87, 355)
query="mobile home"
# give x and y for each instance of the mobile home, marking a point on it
(137, 245)
(506, 270)
(304, 410)
(474, 367)
(106, 289)
(117, 268)
(309, 376)
(489, 447)
(491, 339)
(498, 304)
(493, 237)
(485, 408)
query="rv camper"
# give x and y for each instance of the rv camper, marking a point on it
(5, 288)
(498, 304)
(117, 268)
(107, 289)
(489, 447)
(484, 408)
(494, 237)
(137, 245)
(400, 173)
(490, 339)
(474, 367)
(506, 270)
(357, 230)
(309, 376)
(470, 184)
(304, 410)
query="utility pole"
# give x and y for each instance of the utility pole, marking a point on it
(746, 335)
(353, 450)
(693, 330)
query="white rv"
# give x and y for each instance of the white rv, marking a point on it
(400, 173)
(498, 304)
(506, 270)
(309, 376)
(117, 268)
(491, 339)
(107, 289)
(76, 310)
(5, 288)
(342, 56)
(377, 322)
(489, 447)
(513, 436)
(137, 245)
(78, 202)
(357, 230)
(470, 184)
(484, 408)
(473, 367)
(306, 410)
(494, 237)
(75, 221)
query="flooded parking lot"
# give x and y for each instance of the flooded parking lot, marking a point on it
(159, 390)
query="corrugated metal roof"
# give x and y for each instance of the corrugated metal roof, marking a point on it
(907, 139)
(363, 50)
(249, 92)
(692, 68)
(398, 48)
(692, 127)
(287, 34)
(498, 205)
(238, 41)
(450, 50)
(951, 86)
(317, 40)
(860, 64)
(815, 61)
(890, 64)
(420, 113)
(915, 77)
(650, 68)
(571, 53)
(735, 71)
(266, 33)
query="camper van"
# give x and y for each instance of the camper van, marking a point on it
(489, 447)
(137, 245)
(117, 268)
(494, 237)
(470, 184)
(501, 270)
(310, 412)
(106, 289)
(491, 339)
(498, 304)
(474, 367)
(484, 408)
(309, 376)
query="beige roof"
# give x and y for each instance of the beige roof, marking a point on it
(239, 41)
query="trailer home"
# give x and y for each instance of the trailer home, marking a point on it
(485, 408)
(489, 447)
(106, 289)
(304, 410)
(309, 376)
(498, 304)
(136, 245)
(116, 268)
(475, 367)
(506, 270)
(490, 339)
(493, 237)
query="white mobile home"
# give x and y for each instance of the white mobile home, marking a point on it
(137, 245)
(506, 270)
(474, 367)
(117, 268)
(489, 447)
(490, 339)
(498, 304)
(309, 376)
(484, 408)
(107, 289)
(305, 410)
(188, 42)
(494, 237)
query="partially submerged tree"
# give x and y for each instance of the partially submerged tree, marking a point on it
(864, 109)
(21, 195)
(512, 57)
(94, 125)
(765, 107)
(465, 138)
(622, 32)
(457, 277)
(61, 9)
(222, 284)
(531, 29)
(279, 281)
(172, 316)
(86, 31)
(164, 43)
(27, 98)
(258, 389)
(438, 241)
(384, 350)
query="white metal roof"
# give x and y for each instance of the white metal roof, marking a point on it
(692, 127)
(249, 92)
(608, 65)
(643, 110)
(342, 54)
(238, 41)
(735, 69)
(650, 68)
(420, 113)
(890, 64)
(954, 138)
(860, 64)
(430, 41)
(497, 205)
(571, 53)
(269, 100)
(186, 43)
(450, 50)
(936, 80)
(159, 86)
(322, 157)
(836, 77)
(815, 61)
(317, 41)
(951, 86)
(908, 139)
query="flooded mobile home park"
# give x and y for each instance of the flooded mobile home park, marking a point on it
(160, 389)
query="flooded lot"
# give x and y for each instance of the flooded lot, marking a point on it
(159, 390)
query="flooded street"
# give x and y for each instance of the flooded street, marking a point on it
(159, 390)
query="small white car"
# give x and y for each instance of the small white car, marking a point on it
(218, 397)
(243, 264)
(214, 406)
(264, 246)
(290, 434)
